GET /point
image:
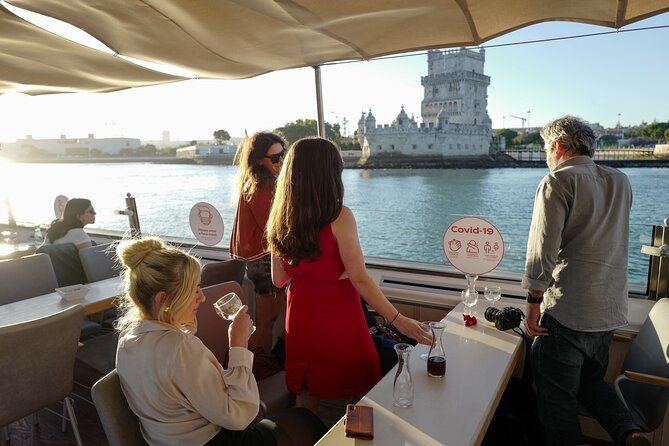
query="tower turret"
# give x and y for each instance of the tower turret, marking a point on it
(361, 129)
(370, 121)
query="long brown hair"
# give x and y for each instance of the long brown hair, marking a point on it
(309, 195)
(74, 208)
(249, 152)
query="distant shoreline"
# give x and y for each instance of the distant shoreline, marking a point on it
(395, 162)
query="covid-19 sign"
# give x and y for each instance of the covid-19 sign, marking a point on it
(473, 245)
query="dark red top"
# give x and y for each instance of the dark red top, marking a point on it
(327, 340)
(247, 241)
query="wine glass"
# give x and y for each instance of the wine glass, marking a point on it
(228, 306)
(469, 299)
(493, 294)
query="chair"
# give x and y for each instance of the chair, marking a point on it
(99, 262)
(66, 263)
(224, 271)
(211, 328)
(644, 384)
(26, 277)
(119, 422)
(37, 365)
(213, 331)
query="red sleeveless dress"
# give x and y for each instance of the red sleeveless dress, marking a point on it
(328, 345)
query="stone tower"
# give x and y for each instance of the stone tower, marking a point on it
(455, 83)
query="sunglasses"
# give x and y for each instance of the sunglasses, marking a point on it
(277, 156)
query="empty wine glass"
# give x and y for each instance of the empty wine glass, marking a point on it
(469, 299)
(493, 294)
(228, 306)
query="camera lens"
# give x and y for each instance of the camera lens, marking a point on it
(491, 314)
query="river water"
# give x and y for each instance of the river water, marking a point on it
(401, 213)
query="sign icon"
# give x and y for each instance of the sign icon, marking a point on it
(206, 223)
(59, 205)
(473, 245)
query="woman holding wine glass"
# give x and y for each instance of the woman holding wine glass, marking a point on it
(173, 383)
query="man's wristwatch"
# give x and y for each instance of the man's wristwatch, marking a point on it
(534, 300)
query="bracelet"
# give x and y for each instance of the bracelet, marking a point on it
(398, 313)
(534, 300)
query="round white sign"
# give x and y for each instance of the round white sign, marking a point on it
(59, 205)
(473, 245)
(206, 223)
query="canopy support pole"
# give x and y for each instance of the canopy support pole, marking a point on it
(319, 102)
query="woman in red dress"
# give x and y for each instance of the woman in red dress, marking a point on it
(315, 248)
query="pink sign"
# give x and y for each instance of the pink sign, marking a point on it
(206, 223)
(473, 245)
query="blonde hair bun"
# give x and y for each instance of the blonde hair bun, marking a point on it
(133, 252)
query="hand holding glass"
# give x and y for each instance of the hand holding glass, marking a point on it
(493, 294)
(228, 306)
(425, 325)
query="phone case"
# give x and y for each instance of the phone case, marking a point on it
(359, 422)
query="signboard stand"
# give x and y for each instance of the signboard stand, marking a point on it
(474, 246)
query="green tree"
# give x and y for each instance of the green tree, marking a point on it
(655, 130)
(302, 128)
(508, 134)
(608, 140)
(666, 135)
(147, 150)
(221, 136)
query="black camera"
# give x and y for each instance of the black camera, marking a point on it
(504, 319)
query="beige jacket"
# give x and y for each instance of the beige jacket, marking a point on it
(177, 388)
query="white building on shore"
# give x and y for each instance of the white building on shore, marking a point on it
(64, 146)
(454, 112)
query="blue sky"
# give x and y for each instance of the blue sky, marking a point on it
(595, 78)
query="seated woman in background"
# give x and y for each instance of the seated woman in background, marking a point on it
(69, 228)
(173, 383)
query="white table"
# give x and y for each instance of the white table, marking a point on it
(100, 296)
(455, 409)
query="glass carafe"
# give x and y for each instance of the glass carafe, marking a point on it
(470, 296)
(403, 384)
(436, 358)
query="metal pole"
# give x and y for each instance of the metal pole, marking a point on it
(319, 102)
(133, 218)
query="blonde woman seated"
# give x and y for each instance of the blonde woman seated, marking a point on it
(172, 382)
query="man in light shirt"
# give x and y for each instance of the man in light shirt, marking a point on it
(576, 277)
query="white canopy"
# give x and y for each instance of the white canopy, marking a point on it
(34, 61)
(234, 39)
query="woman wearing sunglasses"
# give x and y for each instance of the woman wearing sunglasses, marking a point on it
(69, 228)
(260, 158)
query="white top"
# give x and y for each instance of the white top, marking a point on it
(180, 392)
(74, 235)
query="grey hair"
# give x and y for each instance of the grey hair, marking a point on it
(573, 133)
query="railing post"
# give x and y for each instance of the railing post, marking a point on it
(658, 276)
(133, 218)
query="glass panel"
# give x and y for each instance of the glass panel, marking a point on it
(401, 213)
